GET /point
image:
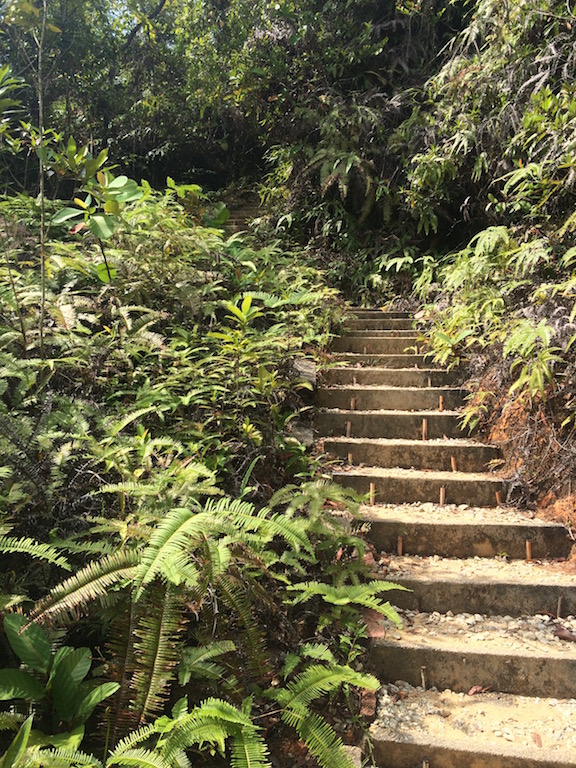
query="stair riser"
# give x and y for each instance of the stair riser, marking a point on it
(378, 314)
(385, 333)
(499, 599)
(411, 377)
(377, 324)
(390, 399)
(470, 541)
(396, 490)
(521, 675)
(391, 425)
(424, 456)
(384, 361)
(391, 754)
(383, 345)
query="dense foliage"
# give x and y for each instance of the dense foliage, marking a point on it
(173, 589)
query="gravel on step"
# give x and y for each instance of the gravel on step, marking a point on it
(490, 570)
(545, 725)
(449, 513)
(528, 634)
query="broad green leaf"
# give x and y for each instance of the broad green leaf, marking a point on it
(102, 226)
(19, 684)
(16, 750)
(68, 674)
(85, 708)
(31, 646)
(64, 215)
(105, 273)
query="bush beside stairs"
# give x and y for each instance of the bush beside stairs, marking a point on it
(490, 695)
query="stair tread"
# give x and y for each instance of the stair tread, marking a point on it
(421, 474)
(433, 442)
(393, 412)
(477, 569)
(386, 388)
(453, 514)
(467, 634)
(504, 725)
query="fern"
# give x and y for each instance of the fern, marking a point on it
(155, 650)
(34, 549)
(63, 758)
(90, 583)
(318, 680)
(319, 737)
(140, 758)
(198, 662)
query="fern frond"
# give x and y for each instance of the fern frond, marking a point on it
(155, 650)
(90, 583)
(133, 738)
(171, 539)
(319, 737)
(34, 549)
(11, 721)
(318, 680)
(197, 662)
(211, 722)
(249, 750)
(141, 758)
(232, 594)
(64, 758)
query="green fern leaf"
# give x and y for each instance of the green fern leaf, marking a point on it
(318, 680)
(91, 583)
(34, 549)
(156, 650)
(141, 758)
(64, 758)
(320, 738)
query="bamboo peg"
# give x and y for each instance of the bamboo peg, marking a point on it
(348, 428)
(399, 546)
(349, 458)
(442, 495)
(559, 607)
(352, 403)
(423, 677)
(372, 493)
(441, 403)
(424, 429)
(528, 551)
(498, 499)
(453, 463)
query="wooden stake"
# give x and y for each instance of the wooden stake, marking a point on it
(498, 499)
(528, 551)
(559, 607)
(424, 429)
(425, 763)
(354, 380)
(429, 381)
(423, 677)
(453, 463)
(348, 428)
(352, 403)
(441, 403)
(442, 495)
(372, 493)
(349, 458)
(364, 350)
(399, 546)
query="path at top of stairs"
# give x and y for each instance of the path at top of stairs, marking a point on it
(488, 601)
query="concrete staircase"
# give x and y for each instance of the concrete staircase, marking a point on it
(487, 598)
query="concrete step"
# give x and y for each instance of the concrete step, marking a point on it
(378, 345)
(384, 333)
(406, 425)
(444, 455)
(385, 361)
(393, 377)
(461, 651)
(391, 398)
(481, 585)
(379, 323)
(442, 729)
(362, 313)
(399, 486)
(463, 531)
